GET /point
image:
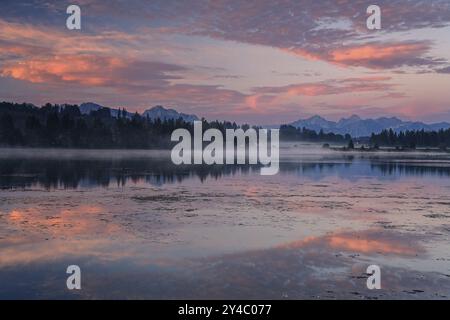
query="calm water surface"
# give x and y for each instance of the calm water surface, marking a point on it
(140, 227)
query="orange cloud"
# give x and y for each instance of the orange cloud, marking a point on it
(309, 90)
(252, 101)
(362, 84)
(372, 55)
(7, 47)
(93, 70)
(84, 69)
(378, 54)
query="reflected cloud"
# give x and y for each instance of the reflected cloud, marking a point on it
(79, 220)
(366, 242)
(87, 169)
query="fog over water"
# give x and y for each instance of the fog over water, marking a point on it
(141, 227)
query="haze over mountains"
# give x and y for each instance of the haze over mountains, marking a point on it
(354, 125)
(153, 113)
(163, 114)
(358, 127)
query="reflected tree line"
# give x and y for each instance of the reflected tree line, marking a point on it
(72, 174)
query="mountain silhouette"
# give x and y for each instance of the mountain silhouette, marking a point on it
(358, 127)
(152, 113)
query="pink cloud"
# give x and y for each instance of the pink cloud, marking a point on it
(363, 84)
(374, 55)
(91, 70)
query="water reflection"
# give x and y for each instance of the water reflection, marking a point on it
(76, 173)
(141, 227)
(367, 242)
(311, 268)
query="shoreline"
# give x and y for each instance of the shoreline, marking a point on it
(391, 149)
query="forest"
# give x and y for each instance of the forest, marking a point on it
(64, 126)
(412, 139)
(291, 133)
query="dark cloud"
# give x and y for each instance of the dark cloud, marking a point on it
(35, 47)
(445, 70)
(312, 29)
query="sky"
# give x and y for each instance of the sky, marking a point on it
(253, 61)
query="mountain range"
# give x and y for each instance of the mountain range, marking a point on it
(354, 125)
(358, 127)
(152, 113)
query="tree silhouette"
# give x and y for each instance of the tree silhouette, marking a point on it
(412, 139)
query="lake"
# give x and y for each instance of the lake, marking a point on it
(140, 227)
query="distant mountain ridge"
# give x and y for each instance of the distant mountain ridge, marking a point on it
(163, 114)
(153, 113)
(88, 107)
(358, 127)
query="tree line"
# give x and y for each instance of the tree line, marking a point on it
(65, 126)
(412, 139)
(291, 133)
